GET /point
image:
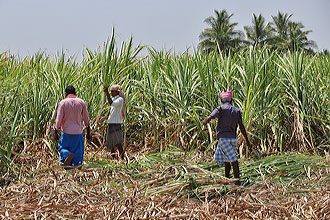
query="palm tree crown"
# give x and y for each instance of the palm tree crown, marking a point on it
(289, 34)
(258, 33)
(221, 35)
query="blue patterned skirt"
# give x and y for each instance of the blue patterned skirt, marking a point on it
(225, 151)
(71, 143)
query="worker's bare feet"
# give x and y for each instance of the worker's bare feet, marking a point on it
(122, 156)
(237, 183)
(114, 156)
(68, 160)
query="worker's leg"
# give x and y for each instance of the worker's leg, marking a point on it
(64, 147)
(68, 160)
(113, 152)
(78, 150)
(121, 150)
(236, 171)
(227, 169)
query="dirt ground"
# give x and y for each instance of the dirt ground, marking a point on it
(93, 192)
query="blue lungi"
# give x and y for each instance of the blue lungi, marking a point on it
(72, 143)
(225, 151)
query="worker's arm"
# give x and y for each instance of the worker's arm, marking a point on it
(86, 122)
(103, 118)
(58, 122)
(207, 120)
(105, 88)
(242, 128)
(88, 135)
(214, 114)
(56, 135)
(59, 117)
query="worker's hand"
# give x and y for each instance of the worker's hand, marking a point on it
(105, 89)
(255, 150)
(103, 118)
(88, 135)
(250, 145)
(56, 135)
(205, 121)
(88, 138)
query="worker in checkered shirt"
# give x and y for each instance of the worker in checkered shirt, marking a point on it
(228, 118)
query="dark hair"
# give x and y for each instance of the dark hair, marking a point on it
(70, 90)
(227, 101)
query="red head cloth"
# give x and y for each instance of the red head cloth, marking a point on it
(226, 95)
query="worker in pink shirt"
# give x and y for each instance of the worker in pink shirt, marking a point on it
(72, 116)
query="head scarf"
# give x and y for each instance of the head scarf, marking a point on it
(226, 95)
(121, 94)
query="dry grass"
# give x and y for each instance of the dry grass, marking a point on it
(113, 190)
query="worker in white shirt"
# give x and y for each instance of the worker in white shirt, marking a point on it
(114, 136)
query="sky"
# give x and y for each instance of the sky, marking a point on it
(29, 26)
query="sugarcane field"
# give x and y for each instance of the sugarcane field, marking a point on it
(129, 131)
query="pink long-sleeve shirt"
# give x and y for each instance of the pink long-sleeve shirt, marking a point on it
(72, 115)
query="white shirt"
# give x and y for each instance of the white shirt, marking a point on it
(115, 116)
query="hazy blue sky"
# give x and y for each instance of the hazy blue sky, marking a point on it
(28, 26)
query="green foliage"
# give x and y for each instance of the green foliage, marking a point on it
(259, 33)
(281, 34)
(289, 35)
(169, 172)
(221, 35)
(284, 97)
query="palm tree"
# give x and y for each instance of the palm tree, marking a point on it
(297, 38)
(289, 35)
(258, 33)
(221, 35)
(280, 25)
